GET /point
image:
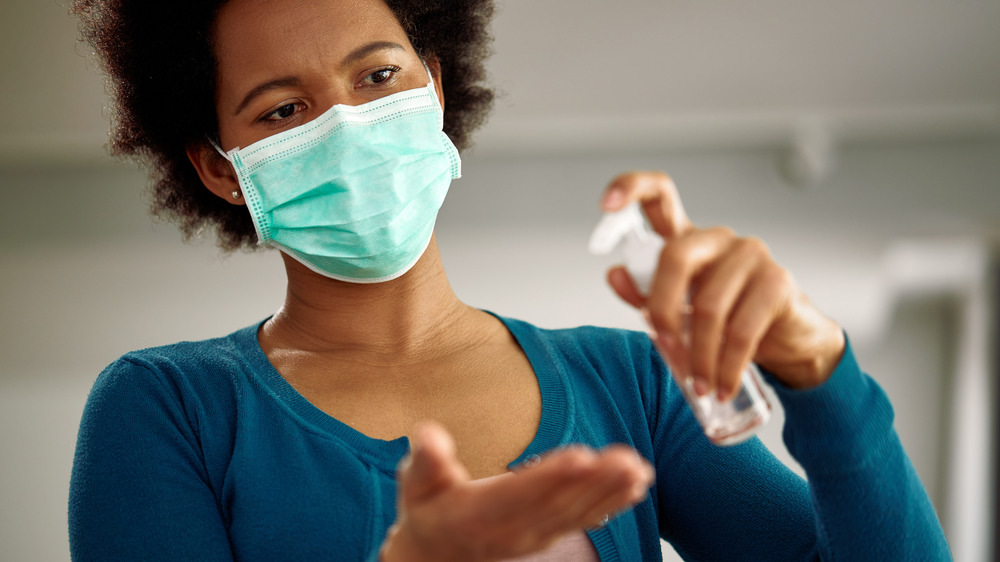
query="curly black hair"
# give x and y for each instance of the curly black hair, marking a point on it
(161, 72)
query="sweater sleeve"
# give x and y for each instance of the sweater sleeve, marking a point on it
(139, 489)
(869, 501)
(863, 500)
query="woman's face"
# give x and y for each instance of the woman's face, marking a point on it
(282, 63)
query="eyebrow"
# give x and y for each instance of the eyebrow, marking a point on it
(353, 57)
(365, 50)
(269, 85)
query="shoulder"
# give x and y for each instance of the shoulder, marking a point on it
(187, 359)
(186, 375)
(194, 354)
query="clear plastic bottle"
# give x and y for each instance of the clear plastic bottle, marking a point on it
(725, 423)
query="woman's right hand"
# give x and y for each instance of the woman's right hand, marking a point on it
(443, 515)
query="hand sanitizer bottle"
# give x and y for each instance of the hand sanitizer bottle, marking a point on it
(725, 423)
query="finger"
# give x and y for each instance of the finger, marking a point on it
(616, 472)
(516, 506)
(620, 480)
(431, 465)
(719, 287)
(561, 478)
(624, 286)
(573, 472)
(752, 317)
(675, 352)
(657, 194)
(680, 262)
(561, 472)
(524, 493)
(614, 503)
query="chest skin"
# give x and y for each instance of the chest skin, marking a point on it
(486, 396)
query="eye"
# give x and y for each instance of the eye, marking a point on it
(282, 113)
(381, 76)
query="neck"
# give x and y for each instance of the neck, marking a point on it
(398, 321)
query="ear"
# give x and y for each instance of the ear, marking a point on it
(434, 65)
(215, 172)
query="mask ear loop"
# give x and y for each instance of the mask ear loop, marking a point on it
(237, 194)
(430, 76)
(431, 85)
(218, 148)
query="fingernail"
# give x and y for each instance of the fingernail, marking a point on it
(612, 200)
(722, 394)
(700, 386)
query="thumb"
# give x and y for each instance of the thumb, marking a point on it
(431, 466)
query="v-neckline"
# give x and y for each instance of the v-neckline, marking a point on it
(554, 428)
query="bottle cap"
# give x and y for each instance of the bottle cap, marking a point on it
(642, 246)
(614, 227)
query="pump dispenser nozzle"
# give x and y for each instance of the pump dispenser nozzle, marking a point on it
(725, 423)
(642, 246)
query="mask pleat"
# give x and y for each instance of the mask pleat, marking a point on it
(360, 200)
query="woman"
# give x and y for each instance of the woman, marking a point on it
(316, 127)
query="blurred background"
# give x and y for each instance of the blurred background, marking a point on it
(860, 139)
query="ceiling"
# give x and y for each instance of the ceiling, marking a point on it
(681, 56)
(680, 72)
(598, 74)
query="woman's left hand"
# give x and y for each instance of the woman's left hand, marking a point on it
(744, 306)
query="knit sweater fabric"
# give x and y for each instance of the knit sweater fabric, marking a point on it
(202, 451)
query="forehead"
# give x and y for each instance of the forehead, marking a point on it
(255, 38)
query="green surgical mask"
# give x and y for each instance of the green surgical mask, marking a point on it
(353, 194)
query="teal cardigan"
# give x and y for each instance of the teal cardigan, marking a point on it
(202, 451)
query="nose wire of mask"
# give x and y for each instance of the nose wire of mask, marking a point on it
(353, 194)
(430, 85)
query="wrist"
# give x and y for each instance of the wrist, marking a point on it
(819, 366)
(398, 546)
(401, 545)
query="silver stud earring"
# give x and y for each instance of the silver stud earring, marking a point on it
(237, 194)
